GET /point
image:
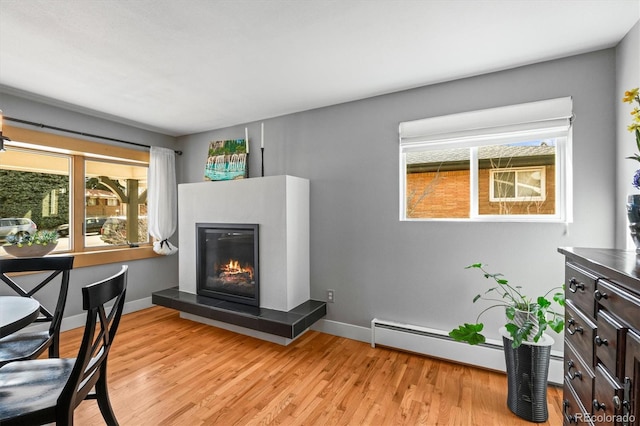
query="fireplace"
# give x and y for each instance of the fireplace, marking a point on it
(227, 262)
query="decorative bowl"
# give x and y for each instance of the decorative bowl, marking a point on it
(34, 250)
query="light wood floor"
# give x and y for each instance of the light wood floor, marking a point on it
(164, 370)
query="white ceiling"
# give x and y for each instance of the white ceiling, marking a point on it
(186, 66)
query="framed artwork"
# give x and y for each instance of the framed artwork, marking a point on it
(226, 160)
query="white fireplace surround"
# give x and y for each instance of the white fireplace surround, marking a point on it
(279, 205)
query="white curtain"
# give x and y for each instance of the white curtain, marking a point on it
(162, 199)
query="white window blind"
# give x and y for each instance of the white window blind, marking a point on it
(514, 122)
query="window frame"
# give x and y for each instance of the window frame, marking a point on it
(80, 150)
(502, 125)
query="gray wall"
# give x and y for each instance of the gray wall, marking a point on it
(381, 267)
(145, 276)
(413, 272)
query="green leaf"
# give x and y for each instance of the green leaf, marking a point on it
(557, 324)
(514, 331)
(475, 265)
(559, 298)
(519, 334)
(476, 298)
(511, 328)
(469, 333)
(511, 312)
(543, 303)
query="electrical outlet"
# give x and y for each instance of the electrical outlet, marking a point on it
(331, 296)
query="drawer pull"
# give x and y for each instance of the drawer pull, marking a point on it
(599, 295)
(576, 375)
(575, 285)
(627, 397)
(571, 418)
(600, 341)
(599, 405)
(572, 323)
(617, 404)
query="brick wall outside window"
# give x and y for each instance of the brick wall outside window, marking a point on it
(448, 196)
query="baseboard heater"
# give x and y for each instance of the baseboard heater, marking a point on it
(438, 344)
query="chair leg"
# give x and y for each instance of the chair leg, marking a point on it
(54, 349)
(102, 396)
(65, 417)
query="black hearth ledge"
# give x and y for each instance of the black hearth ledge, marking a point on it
(279, 323)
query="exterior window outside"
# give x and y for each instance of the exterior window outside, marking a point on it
(511, 180)
(519, 178)
(514, 184)
(527, 184)
(438, 184)
(34, 193)
(118, 214)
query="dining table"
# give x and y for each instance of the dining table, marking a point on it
(17, 312)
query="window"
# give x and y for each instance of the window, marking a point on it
(512, 185)
(93, 195)
(34, 187)
(502, 164)
(122, 214)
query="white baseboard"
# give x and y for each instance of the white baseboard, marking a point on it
(341, 329)
(489, 357)
(75, 321)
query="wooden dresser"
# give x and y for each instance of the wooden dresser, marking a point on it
(602, 337)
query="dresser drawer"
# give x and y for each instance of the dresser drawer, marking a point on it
(632, 373)
(607, 398)
(580, 333)
(577, 374)
(625, 305)
(573, 411)
(580, 286)
(611, 349)
(609, 343)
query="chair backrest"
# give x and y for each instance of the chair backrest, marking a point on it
(99, 332)
(56, 265)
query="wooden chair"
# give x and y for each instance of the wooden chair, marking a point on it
(30, 344)
(43, 391)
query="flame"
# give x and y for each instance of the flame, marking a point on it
(234, 267)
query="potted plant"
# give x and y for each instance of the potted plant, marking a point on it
(633, 200)
(527, 318)
(31, 245)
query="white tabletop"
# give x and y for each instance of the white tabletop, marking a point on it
(16, 312)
